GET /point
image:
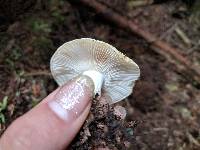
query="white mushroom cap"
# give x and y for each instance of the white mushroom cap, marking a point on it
(113, 73)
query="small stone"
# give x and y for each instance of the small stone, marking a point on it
(120, 112)
(127, 144)
(87, 132)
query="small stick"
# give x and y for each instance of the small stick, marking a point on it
(139, 3)
(37, 73)
(183, 36)
(188, 69)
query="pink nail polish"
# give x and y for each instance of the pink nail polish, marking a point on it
(73, 97)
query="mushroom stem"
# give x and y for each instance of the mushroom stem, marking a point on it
(97, 78)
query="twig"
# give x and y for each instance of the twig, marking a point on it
(192, 139)
(183, 36)
(139, 3)
(188, 69)
(37, 73)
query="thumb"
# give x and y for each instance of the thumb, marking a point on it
(53, 123)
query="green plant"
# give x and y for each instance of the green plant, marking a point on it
(14, 55)
(38, 25)
(58, 16)
(3, 106)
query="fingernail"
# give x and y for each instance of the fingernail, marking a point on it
(72, 99)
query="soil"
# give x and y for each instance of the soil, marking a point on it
(163, 111)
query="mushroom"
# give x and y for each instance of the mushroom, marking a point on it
(112, 72)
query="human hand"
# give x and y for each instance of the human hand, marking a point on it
(54, 122)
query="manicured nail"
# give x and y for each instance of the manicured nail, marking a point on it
(73, 97)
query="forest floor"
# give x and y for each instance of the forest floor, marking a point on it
(163, 111)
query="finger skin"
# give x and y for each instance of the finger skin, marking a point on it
(43, 129)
